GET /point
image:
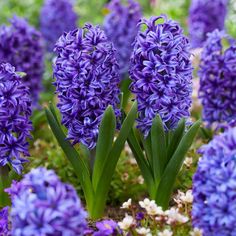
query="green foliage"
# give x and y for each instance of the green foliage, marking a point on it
(28, 9)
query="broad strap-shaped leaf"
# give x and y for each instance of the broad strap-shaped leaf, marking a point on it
(159, 154)
(176, 138)
(111, 162)
(143, 164)
(77, 162)
(104, 143)
(147, 145)
(168, 179)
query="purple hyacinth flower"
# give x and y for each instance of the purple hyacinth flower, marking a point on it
(120, 26)
(87, 80)
(43, 205)
(161, 73)
(204, 17)
(15, 124)
(21, 45)
(57, 17)
(4, 225)
(217, 79)
(214, 186)
(106, 228)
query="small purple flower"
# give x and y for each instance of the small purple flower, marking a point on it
(214, 186)
(22, 46)
(57, 17)
(140, 216)
(120, 26)
(4, 225)
(15, 124)
(204, 17)
(106, 228)
(161, 73)
(43, 205)
(217, 79)
(87, 82)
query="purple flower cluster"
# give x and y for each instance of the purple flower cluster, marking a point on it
(120, 26)
(57, 17)
(87, 82)
(205, 16)
(214, 186)
(161, 73)
(4, 227)
(217, 79)
(15, 125)
(21, 45)
(43, 205)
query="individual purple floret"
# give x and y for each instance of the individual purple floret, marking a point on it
(43, 205)
(161, 73)
(57, 17)
(204, 17)
(106, 228)
(217, 79)
(15, 124)
(87, 82)
(214, 186)
(21, 45)
(120, 26)
(4, 225)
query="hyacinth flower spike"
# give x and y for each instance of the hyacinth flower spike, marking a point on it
(21, 45)
(121, 27)
(217, 71)
(15, 126)
(57, 17)
(161, 75)
(214, 184)
(204, 17)
(87, 85)
(43, 205)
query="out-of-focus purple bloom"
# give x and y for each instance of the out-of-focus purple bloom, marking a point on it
(21, 45)
(217, 79)
(161, 73)
(57, 17)
(87, 82)
(4, 225)
(43, 205)
(106, 228)
(120, 26)
(140, 216)
(15, 124)
(214, 186)
(204, 17)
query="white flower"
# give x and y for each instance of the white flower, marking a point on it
(166, 232)
(196, 232)
(187, 197)
(151, 207)
(140, 180)
(126, 223)
(188, 161)
(174, 216)
(127, 205)
(143, 231)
